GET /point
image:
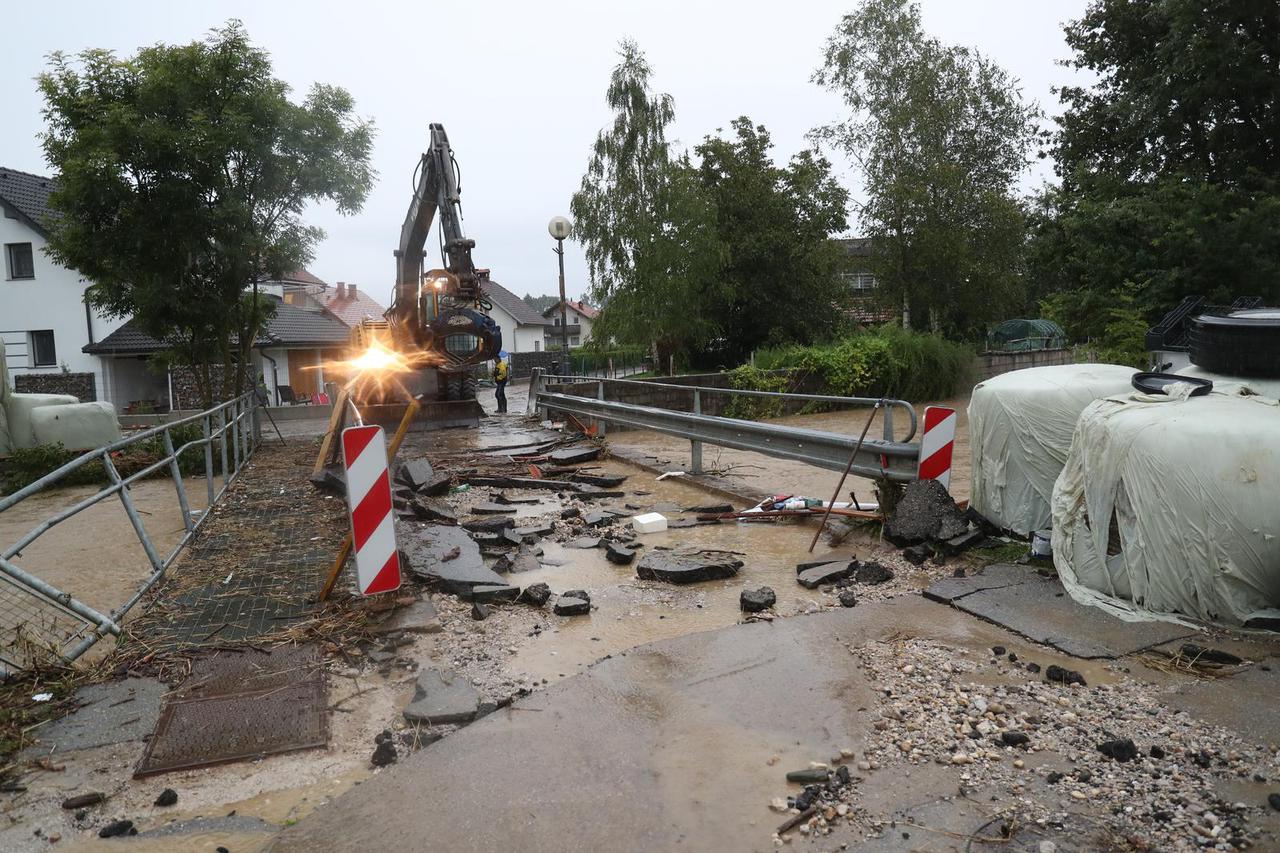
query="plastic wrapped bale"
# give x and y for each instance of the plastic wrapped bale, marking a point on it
(19, 408)
(1168, 506)
(79, 426)
(5, 443)
(1254, 385)
(1020, 427)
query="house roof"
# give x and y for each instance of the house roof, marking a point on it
(290, 327)
(581, 307)
(522, 312)
(302, 277)
(27, 194)
(350, 306)
(859, 247)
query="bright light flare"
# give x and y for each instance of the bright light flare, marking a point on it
(378, 359)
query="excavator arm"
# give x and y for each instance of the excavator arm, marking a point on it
(440, 312)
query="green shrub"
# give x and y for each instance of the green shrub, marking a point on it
(27, 465)
(750, 378)
(886, 361)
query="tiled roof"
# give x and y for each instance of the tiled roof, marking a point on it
(28, 194)
(290, 327)
(581, 307)
(522, 311)
(348, 307)
(302, 277)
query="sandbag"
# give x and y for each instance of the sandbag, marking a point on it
(1167, 505)
(19, 408)
(1020, 426)
(80, 426)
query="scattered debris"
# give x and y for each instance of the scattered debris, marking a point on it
(167, 797)
(847, 598)
(574, 602)
(479, 611)
(81, 801)
(619, 554)
(872, 572)
(649, 522)
(442, 697)
(687, 568)
(926, 512)
(756, 600)
(537, 594)
(826, 573)
(118, 828)
(384, 751)
(1199, 654)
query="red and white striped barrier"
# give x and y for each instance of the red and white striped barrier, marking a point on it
(936, 445)
(373, 530)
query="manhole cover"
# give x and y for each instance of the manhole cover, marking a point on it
(286, 709)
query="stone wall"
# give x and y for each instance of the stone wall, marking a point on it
(82, 386)
(523, 363)
(992, 364)
(186, 397)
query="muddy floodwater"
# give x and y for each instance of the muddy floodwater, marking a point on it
(780, 476)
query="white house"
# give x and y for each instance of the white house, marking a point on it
(522, 326)
(44, 321)
(578, 316)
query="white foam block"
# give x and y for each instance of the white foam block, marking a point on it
(650, 522)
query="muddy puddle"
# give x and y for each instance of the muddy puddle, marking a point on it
(627, 611)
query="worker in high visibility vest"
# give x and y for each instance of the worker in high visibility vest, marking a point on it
(501, 373)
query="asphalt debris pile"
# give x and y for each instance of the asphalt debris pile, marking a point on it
(1051, 746)
(927, 523)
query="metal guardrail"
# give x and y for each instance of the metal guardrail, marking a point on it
(888, 457)
(36, 618)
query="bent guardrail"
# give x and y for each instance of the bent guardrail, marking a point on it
(887, 457)
(36, 618)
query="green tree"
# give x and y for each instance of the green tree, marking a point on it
(648, 230)
(1169, 160)
(183, 175)
(940, 134)
(780, 281)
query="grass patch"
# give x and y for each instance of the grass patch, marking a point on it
(1005, 552)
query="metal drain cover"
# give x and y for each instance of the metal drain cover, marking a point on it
(247, 724)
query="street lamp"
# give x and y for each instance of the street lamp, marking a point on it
(560, 228)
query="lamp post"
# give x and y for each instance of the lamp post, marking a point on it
(560, 228)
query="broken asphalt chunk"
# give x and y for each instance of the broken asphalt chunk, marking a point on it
(446, 554)
(574, 455)
(574, 602)
(492, 509)
(118, 828)
(1200, 653)
(756, 600)
(442, 697)
(711, 509)
(826, 573)
(414, 473)
(872, 572)
(687, 568)
(925, 512)
(1121, 750)
(488, 593)
(603, 481)
(1057, 675)
(585, 542)
(488, 525)
(619, 554)
(538, 594)
(433, 509)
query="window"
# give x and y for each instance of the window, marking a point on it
(41, 349)
(573, 342)
(537, 346)
(557, 321)
(18, 260)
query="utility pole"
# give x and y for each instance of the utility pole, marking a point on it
(560, 228)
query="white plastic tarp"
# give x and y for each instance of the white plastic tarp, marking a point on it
(78, 426)
(1168, 505)
(1231, 384)
(1020, 427)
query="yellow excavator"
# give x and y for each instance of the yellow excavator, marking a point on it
(438, 325)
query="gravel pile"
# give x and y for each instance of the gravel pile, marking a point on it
(1112, 750)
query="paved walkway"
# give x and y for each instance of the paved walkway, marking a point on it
(668, 746)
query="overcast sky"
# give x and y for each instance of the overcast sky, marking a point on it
(519, 86)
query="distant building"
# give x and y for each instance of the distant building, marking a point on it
(44, 321)
(522, 326)
(579, 316)
(859, 301)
